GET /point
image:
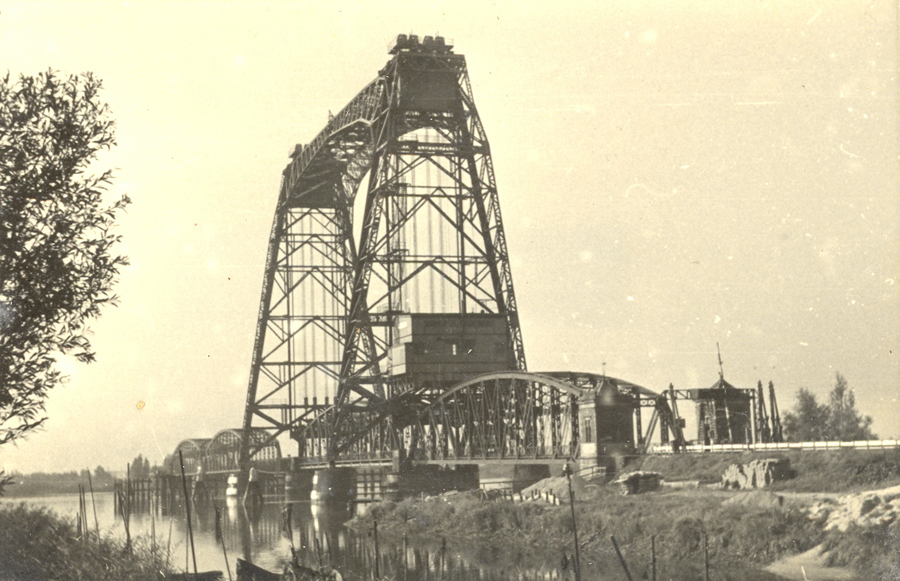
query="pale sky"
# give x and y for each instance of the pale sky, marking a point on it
(671, 175)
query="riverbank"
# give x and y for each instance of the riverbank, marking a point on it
(36, 543)
(739, 539)
(815, 470)
(741, 532)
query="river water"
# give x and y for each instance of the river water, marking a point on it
(319, 536)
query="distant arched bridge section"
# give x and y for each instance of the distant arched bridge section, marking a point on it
(191, 454)
(224, 450)
(221, 453)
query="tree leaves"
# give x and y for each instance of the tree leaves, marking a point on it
(57, 265)
(838, 420)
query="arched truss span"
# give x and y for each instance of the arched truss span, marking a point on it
(222, 453)
(512, 415)
(193, 451)
(586, 381)
(501, 415)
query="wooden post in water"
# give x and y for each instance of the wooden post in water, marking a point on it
(123, 510)
(153, 536)
(82, 523)
(187, 506)
(220, 537)
(94, 504)
(169, 544)
(87, 527)
(653, 557)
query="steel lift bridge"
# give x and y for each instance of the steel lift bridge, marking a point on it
(388, 323)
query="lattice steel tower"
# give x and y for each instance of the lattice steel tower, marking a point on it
(356, 332)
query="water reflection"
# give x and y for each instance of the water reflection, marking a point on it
(319, 537)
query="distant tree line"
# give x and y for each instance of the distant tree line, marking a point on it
(835, 420)
(44, 483)
(139, 467)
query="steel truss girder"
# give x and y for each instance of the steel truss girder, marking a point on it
(506, 415)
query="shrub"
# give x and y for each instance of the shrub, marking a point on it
(35, 543)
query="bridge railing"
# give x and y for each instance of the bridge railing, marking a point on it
(760, 447)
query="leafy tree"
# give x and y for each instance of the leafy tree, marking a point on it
(838, 420)
(809, 420)
(100, 473)
(140, 467)
(845, 423)
(57, 268)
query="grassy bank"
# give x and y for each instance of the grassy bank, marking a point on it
(38, 544)
(816, 470)
(740, 538)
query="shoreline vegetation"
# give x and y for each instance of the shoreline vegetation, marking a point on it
(36, 543)
(743, 532)
(47, 484)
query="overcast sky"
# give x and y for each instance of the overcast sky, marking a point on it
(671, 175)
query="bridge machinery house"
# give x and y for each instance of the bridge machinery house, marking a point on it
(606, 419)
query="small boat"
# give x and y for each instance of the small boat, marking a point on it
(247, 571)
(202, 576)
(294, 572)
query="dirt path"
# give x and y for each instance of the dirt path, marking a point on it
(810, 566)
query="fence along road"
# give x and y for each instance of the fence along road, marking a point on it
(857, 445)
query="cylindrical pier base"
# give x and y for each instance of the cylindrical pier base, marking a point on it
(333, 485)
(232, 488)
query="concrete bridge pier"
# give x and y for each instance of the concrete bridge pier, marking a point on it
(333, 485)
(429, 479)
(298, 483)
(512, 477)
